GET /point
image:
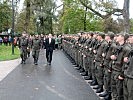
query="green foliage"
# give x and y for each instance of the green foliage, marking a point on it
(21, 23)
(5, 15)
(74, 20)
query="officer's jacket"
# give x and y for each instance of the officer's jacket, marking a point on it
(36, 44)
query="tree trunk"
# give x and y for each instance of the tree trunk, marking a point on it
(126, 16)
(27, 18)
(85, 19)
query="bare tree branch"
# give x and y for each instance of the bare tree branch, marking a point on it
(96, 12)
(99, 14)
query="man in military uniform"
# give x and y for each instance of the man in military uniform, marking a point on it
(99, 62)
(86, 57)
(107, 73)
(128, 74)
(117, 74)
(91, 55)
(23, 44)
(36, 45)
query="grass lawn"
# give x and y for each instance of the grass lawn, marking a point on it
(6, 53)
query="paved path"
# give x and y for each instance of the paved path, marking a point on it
(60, 81)
(7, 66)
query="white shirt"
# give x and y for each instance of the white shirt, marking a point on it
(49, 40)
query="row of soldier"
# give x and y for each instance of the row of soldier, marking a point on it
(28, 43)
(106, 59)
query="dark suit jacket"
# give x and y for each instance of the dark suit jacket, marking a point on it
(50, 46)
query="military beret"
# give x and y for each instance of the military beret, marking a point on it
(126, 36)
(101, 34)
(111, 35)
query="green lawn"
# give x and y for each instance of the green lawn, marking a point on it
(6, 53)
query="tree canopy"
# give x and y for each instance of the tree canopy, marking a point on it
(75, 16)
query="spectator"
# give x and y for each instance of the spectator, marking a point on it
(9, 40)
(5, 41)
(1, 40)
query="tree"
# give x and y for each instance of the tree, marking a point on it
(109, 11)
(5, 13)
(74, 18)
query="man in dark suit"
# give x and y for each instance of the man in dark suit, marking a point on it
(50, 46)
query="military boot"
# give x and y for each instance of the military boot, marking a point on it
(84, 73)
(96, 87)
(100, 89)
(108, 96)
(89, 77)
(81, 70)
(93, 83)
(104, 94)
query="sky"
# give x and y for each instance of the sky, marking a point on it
(120, 5)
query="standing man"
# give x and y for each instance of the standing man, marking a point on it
(36, 46)
(50, 46)
(128, 74)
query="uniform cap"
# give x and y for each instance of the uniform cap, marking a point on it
(111, 35)
(101, 34)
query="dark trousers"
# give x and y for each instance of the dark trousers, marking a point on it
(49, 55)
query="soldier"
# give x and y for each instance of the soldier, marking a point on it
(86, 57)
(23, 44)
(128, 74)
(99, 62)
(36, 45)
(107, 73)
(92, 47)
(117, 76)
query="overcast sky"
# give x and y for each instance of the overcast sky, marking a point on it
(120, 4)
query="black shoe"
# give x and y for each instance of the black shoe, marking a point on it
(36, 63)
(103, 94)
(107, 97)
(99, 90)
(78, 68)
(81, 70)
(75, 66)
(49, 63)
(88, 78)
(24, 62)
(93, 83)
(84, 74)
(21, 62)
(96, 87)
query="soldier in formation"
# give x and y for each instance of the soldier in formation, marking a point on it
(105, 60)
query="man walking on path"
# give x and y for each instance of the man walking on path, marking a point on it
(50, 46)
(36, 46)
(23, 44)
